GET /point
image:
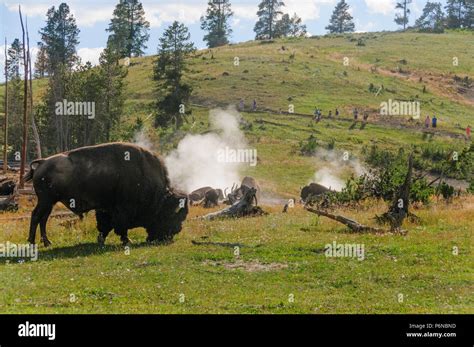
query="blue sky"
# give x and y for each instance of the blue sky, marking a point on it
(93, 17)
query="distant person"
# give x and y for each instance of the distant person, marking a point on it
(330, 114)
(337, 112)
(241, 105)
(254, 105)
(468, 132)
(356, 114)
(366, 116)
(434, 122)
(427, 122)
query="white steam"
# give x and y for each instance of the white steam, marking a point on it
(335, 167)
(194, 163)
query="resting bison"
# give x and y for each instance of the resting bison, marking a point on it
(7, 187)
(207, 196)
(211, 198)
(197, 196)
(9, 204)
(311, 190)
(126, 185)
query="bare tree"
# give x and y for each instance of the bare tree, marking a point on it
(5, 134)
(25, 107)
(33, 123)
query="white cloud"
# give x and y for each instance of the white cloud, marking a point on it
(384, 7)
(86, 14)
(245, 11)
(307, 10)
(157, 14)
(363, 28)
(90, 54)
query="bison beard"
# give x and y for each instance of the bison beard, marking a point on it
(126, 185)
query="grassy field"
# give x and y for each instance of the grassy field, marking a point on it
(281, 257)
(279, 265)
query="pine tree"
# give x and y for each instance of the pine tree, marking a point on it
(41, 64)
(113, 98)
(341, 20)
(15, 94)
(128, 29)
(402, 18)
(290, 26)
(432, 18)
(60, 38)
(460, 14)
(216, 23)
(283, 26)
(173, 94)
(297, 29)
(15, 59)
(268, 14)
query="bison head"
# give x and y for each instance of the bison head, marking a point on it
(172, 215)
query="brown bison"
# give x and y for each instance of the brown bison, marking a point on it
(207, 196)
(7, 187)
(312, 190)
(126, 185)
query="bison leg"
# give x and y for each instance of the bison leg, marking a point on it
(152, 234)
(40, 216)
(123, 236)
(104, 225)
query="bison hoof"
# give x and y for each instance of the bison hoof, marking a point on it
(46, 242)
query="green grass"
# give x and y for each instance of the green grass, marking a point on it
(151, 279)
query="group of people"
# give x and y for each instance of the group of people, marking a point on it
(242, 105)
(431, 121)
(355, 113)
(318, 115)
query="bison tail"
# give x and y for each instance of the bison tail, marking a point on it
(33, 166)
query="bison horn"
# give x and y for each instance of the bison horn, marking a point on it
(225, 193)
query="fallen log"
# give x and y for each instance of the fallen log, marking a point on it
(352, 224)
(242, 208)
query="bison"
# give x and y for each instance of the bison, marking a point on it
(7, 187)
(127, 186)
(311, 190)
(197, 196)
(207, 196)
(211, 198)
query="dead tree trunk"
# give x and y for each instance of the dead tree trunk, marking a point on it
(33, 123)
(25, 108)
(352, 224)
(5, 133)
(242, 208)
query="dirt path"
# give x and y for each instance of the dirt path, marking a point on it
(440, 84)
